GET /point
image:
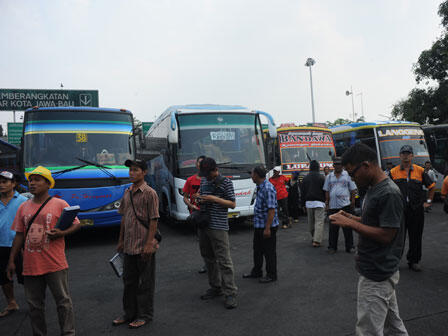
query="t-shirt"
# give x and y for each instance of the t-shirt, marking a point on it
(382, 207)
(280, 185)
(218, 213)
(340, 189)
(7, 214)
(192, 187)
(41, 255)
(445, 186)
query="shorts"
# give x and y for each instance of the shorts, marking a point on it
(4, 258)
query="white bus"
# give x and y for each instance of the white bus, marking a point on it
(232, 135)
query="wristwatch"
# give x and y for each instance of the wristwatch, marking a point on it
(428, 201)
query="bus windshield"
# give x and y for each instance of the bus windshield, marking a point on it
(304, 154)
(392, 138)
(234, 139)
(56, 141)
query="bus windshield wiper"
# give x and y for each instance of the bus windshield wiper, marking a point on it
(104, 169)
(224, 165)
(69, 170)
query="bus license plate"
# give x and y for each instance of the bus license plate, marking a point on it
(86, 222)
(233, 214)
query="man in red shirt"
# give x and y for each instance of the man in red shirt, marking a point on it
(191, 189)
(279, 182)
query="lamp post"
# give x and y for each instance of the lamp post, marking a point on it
(362, 104)
(348, 93)
(309, 63)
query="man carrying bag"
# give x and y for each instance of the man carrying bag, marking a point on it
(138, 243)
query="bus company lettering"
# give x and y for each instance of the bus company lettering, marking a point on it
(306, 137)
(243, 193)
(305, 165)
(400, 131)
(88, 196)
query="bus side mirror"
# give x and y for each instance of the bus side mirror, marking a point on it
(330, 153)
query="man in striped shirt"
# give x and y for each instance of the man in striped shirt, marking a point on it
(216, 196)
(265, 224)
(139, 205)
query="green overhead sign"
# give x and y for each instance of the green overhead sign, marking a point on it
(20, 100)
(15, 133)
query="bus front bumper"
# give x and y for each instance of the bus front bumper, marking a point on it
(100, 218)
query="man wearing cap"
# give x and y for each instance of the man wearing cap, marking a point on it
(10, 202)
(410, 178)
(44, 261)
(216, 196)
(140, 212)
(340, 193)
(279, 182)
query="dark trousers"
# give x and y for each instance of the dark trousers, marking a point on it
(414, 222)
(139, 283)
(334, 232)
(267, 248)
(283, 210)
(35, 288)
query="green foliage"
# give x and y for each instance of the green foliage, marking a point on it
(429, 104)
(342, 121)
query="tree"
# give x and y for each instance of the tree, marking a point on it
(429, 104)
(342, 121)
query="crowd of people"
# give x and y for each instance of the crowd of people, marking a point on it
(393, 204)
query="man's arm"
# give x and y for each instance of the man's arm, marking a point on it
(16, 246)
(327, 199)
(215, 199)
(151, 243)
(379, 234)
(121, 237)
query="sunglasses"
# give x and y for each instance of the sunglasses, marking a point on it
(353, 172)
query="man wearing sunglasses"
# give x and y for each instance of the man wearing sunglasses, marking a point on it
(380, 246)
(411, 178)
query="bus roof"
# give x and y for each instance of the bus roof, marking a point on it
(78, 108)
(8, 145)
(429, 127)
(203, 108)
(303, 128)
(373, 124)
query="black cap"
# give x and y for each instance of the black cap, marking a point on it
(406, 148)
(206, 166)
(137, 162)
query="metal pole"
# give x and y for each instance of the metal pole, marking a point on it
(312, 96)
(362, 106)
(14, 115)
(353, 103)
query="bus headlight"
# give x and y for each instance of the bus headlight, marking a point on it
(111, 206)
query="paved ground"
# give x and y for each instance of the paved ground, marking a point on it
(315, 294)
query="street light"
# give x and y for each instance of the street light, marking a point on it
(309, 63)
(362, 104)
(348, 93)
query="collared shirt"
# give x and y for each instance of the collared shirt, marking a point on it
(266, 199)
(279, 183)
(411, 184)
(146, 204)
(218, 213)
(7, 214)
(340, 189)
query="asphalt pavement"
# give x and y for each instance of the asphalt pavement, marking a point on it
(315, 293)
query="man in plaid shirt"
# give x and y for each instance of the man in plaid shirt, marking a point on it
(265, 224)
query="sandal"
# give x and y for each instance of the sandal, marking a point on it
(119, 321)
(137, 323)
(8, 311)
(316, 244)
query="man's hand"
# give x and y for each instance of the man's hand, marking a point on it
(267, 233)
(10, 270)
(55, 234)
(120, 247)
(194, 207)
(426, 205)
(210, 198)
(341, 218)
(150, 249)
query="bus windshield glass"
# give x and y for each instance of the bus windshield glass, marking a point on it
(229, 138)
(56, 139)
(392, 138)
(298, 147)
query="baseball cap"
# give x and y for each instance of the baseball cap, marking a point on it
(137, 162)
(206, 166)
(44, 172)
(7, 175)
(406, 148)
(278, 168)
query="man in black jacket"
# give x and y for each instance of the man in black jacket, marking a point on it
(314, 197)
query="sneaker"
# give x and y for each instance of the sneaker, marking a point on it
(202, 270)
(267, 279)
(331, 251)
(230, 302)
(350, 250)
(211, 293)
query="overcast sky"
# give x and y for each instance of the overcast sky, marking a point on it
(145, 55)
